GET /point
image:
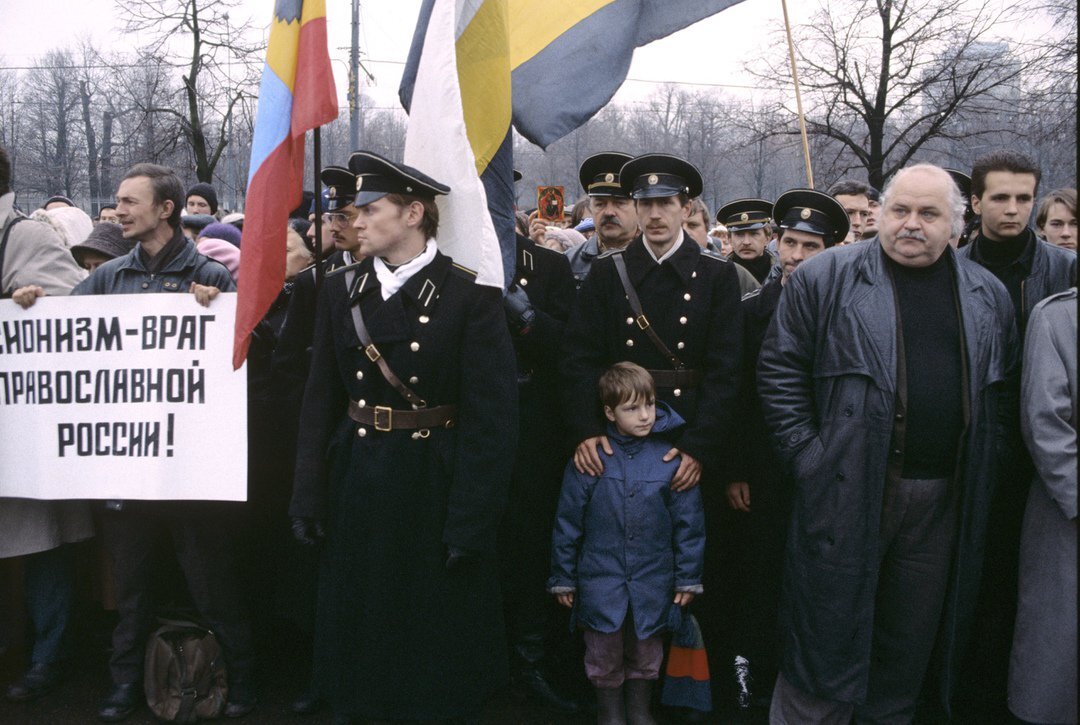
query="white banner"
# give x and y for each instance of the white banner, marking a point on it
(122, 397)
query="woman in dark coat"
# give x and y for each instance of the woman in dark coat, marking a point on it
(405, 451)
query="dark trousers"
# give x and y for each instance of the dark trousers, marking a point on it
(918, 530)
(752, 555)
(49, 581)
(203, 537)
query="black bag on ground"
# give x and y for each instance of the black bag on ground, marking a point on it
(184, 676)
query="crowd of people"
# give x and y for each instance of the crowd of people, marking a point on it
(835, 432)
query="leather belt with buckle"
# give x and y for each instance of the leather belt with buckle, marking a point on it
(385, 419)
(686, 378)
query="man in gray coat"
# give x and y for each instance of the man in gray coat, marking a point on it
(1042, 671)
(881, 379)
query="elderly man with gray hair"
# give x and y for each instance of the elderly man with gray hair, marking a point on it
(884, 377)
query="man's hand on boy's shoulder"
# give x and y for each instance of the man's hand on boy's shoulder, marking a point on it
(587, 456)
(566, 599)
(689, 472)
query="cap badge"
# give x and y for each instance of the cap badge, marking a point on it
(609, 178)
(743, 217)
(654, 179)
(332, 193)
(359, 182)
(805, 213)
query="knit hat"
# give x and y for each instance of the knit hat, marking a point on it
(221, 251)
(205, 191)
(220, 230)
(105, 238)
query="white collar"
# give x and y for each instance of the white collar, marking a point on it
(674, 247)
(393, 280)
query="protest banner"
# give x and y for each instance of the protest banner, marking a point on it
(122, 397)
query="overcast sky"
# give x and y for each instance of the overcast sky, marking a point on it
(709, 53)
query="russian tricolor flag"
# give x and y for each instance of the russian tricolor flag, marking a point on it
(296, 94)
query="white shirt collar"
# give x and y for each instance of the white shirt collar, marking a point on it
(674, 247)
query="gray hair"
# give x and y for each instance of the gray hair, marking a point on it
(956, 203)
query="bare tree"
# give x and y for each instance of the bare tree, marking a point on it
(218, 65)
(884, 78)
(53, 140)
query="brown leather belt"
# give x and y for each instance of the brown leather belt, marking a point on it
(384, 419)
(685, 378)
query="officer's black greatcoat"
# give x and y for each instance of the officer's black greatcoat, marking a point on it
(292, 355)
(752, 544)
(397, 635)
(692, 302)
(525, 543)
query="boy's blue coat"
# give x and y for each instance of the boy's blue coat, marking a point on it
(625, 540)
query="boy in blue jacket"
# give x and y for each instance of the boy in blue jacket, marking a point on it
(627, 550)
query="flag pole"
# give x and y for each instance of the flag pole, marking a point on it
(317, 164)
(798, 99)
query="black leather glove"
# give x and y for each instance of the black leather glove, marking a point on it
(307, 531)
(519, 310)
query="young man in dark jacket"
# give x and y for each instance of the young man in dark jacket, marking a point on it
(1003, 189)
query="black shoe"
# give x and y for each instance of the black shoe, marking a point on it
(37, 680)
(536, 686)
(241, 699)
(306, 703)
(120, 702)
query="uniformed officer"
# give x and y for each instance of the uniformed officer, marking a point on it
(749, 222)
(407, 440)
(537, 304)
(664, 304)
(611, 208)
(293, 352)
(289, 372)
(756, 523)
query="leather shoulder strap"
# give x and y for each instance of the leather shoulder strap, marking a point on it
(639, 315)
(373, 353)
